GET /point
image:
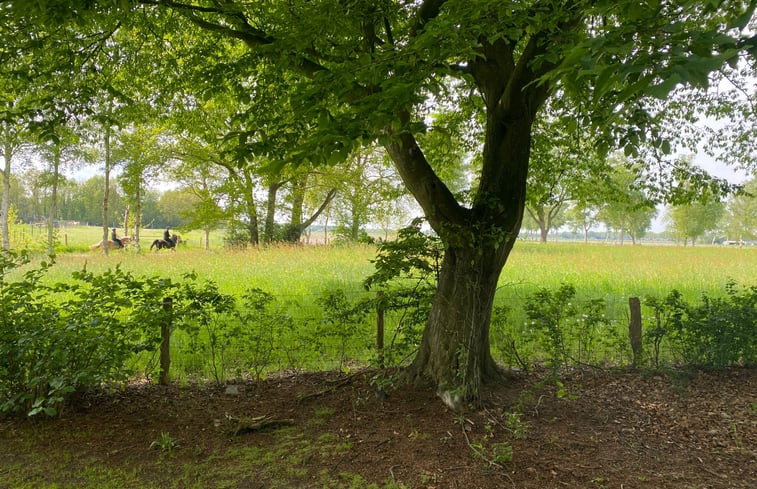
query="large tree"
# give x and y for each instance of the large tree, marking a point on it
(363, 70)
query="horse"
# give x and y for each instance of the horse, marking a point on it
(125, 241)
(159, 244)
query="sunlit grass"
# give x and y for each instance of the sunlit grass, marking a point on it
(597, 270)
(624, 271)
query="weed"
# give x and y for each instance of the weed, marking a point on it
(165, 443)
(516, 425)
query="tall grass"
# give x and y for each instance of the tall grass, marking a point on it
(597, 270)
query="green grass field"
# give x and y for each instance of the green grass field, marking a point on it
(597, 270)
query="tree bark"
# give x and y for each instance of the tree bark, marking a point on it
(296, 226)
(455, 351)
(268, 229)
(106, 191)
(53, 200)
(138, 217)
(252, 209)
(6, 202)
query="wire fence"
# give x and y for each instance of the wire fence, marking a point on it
(341, 329)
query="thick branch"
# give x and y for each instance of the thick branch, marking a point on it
(248, 34)
(439, 205)
(428, 10)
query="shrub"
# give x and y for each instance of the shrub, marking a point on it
(721, 332)
(59, 339)
(717, 332)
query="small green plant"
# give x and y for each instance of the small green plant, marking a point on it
(548, 312)
(342, 320)
(166, 443)
(562, 392)
(513, 421)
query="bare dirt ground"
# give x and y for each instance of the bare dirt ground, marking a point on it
(593, 429)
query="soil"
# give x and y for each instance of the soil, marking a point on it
(593, 428)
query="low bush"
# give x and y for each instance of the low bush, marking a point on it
(717, 332)
(57, 340)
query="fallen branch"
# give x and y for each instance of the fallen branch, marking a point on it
(338, 384)
(261, 423)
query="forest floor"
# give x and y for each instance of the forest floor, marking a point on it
(593, 429)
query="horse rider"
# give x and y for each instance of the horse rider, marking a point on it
(167, 236)
(115, 239)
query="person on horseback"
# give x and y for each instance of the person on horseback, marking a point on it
(115, 239)
(167, 236)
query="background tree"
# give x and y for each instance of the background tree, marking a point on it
(582, 215)
(141, 153)
(561, 164)
(626, 208)
(61, 150)
(691, 221)
(364, 184)
(741, 213)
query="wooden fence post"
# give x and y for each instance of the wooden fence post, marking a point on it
(634, 329)
(380, 327)
(165, 344)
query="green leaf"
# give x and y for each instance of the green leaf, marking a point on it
(662, 90)
(742, 20)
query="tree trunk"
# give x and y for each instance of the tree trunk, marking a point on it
(542, 220)
(270, 215)
(126, 220)
(252, 210)
(454, 352)
(294, 231)
(354, 223)
(5, 206)
(298, 201)
(53, 201)
(138, 217)
(106, 191)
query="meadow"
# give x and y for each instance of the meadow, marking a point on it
(597, 270)
(299, 277)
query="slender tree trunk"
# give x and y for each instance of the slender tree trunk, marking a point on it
(53, 201)
(138, 217)
(207, 239)
(252, 209)
(106, 191)
(326, 230)
(270, 215)
(6, 202)
(354, 223)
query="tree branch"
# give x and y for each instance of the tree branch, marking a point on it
(428, 10)
(438, 203)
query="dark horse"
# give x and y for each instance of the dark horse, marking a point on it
(159, 244)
